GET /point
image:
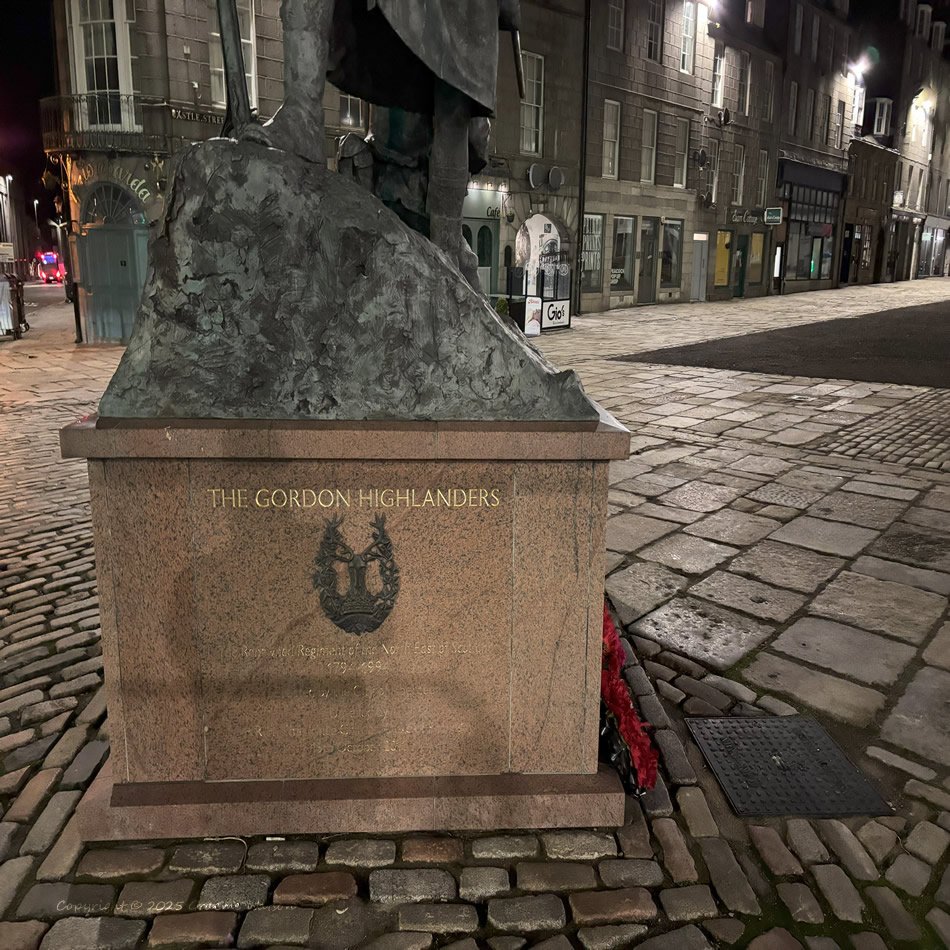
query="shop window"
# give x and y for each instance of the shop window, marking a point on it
(484, 249)
(532, 107)
(592, 254)
(621, 261)
(756, 254)
(826, 257)
(671, 263)
(723, 258)
(467, 234)
(245, 11)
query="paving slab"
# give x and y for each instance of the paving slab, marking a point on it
(838, 698)
(683, 552)
(914, 545)
(837, 647)
(903, 574)
(829, 537)
(704, 632)
(913, 725)
(749, 596)
(733, 527)
(906, 613)
(863, 510)
(629, 532)
(786, 566)
(640, 588)
(701, 496)
(938, 650)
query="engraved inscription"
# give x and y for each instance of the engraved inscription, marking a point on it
(342, 498)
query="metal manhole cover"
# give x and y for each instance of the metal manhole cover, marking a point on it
(784, 766)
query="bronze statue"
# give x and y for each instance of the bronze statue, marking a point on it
(437, 59)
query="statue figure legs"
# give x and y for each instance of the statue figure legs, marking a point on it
(448, 177)
(298, 126)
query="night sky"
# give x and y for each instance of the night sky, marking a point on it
(26, 76)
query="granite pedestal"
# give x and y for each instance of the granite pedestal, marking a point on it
(317, 627)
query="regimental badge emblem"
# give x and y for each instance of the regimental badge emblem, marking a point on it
(370, 586)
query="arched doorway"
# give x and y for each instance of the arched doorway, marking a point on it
(113, 247)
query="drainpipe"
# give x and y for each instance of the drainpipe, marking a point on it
(582, 184)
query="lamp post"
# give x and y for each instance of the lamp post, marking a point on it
(36, 217)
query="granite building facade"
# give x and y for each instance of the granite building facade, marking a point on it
(667, 150)
(138, 79)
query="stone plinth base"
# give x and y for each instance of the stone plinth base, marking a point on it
(351, 806)
(350, 626)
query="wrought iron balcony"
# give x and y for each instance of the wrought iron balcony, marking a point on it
(105, 121)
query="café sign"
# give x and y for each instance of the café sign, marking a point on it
(757, 216)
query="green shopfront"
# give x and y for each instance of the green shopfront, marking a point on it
(812, 198)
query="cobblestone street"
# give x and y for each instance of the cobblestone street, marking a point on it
(775, 545)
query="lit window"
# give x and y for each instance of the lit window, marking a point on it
(654, 29)
(351, 111)
(688, 46)
(245, 11)
(839, 125)
(611, 138)
(738, 175)
(615, 24)
(532, 107)
(719, 66)
(681, 154)
(745, 70)
(648, 147)
(882, 116)
(592, 254)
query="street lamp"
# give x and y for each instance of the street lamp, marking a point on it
(36, 204)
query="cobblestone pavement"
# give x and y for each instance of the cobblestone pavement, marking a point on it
(757, 568)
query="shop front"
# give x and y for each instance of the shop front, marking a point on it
(812, 199)
(904, 234)
(932, 261)
(741, 250)
(631, 259)
(113, 201)
(487, 227)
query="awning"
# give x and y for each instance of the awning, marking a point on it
(797, 173)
